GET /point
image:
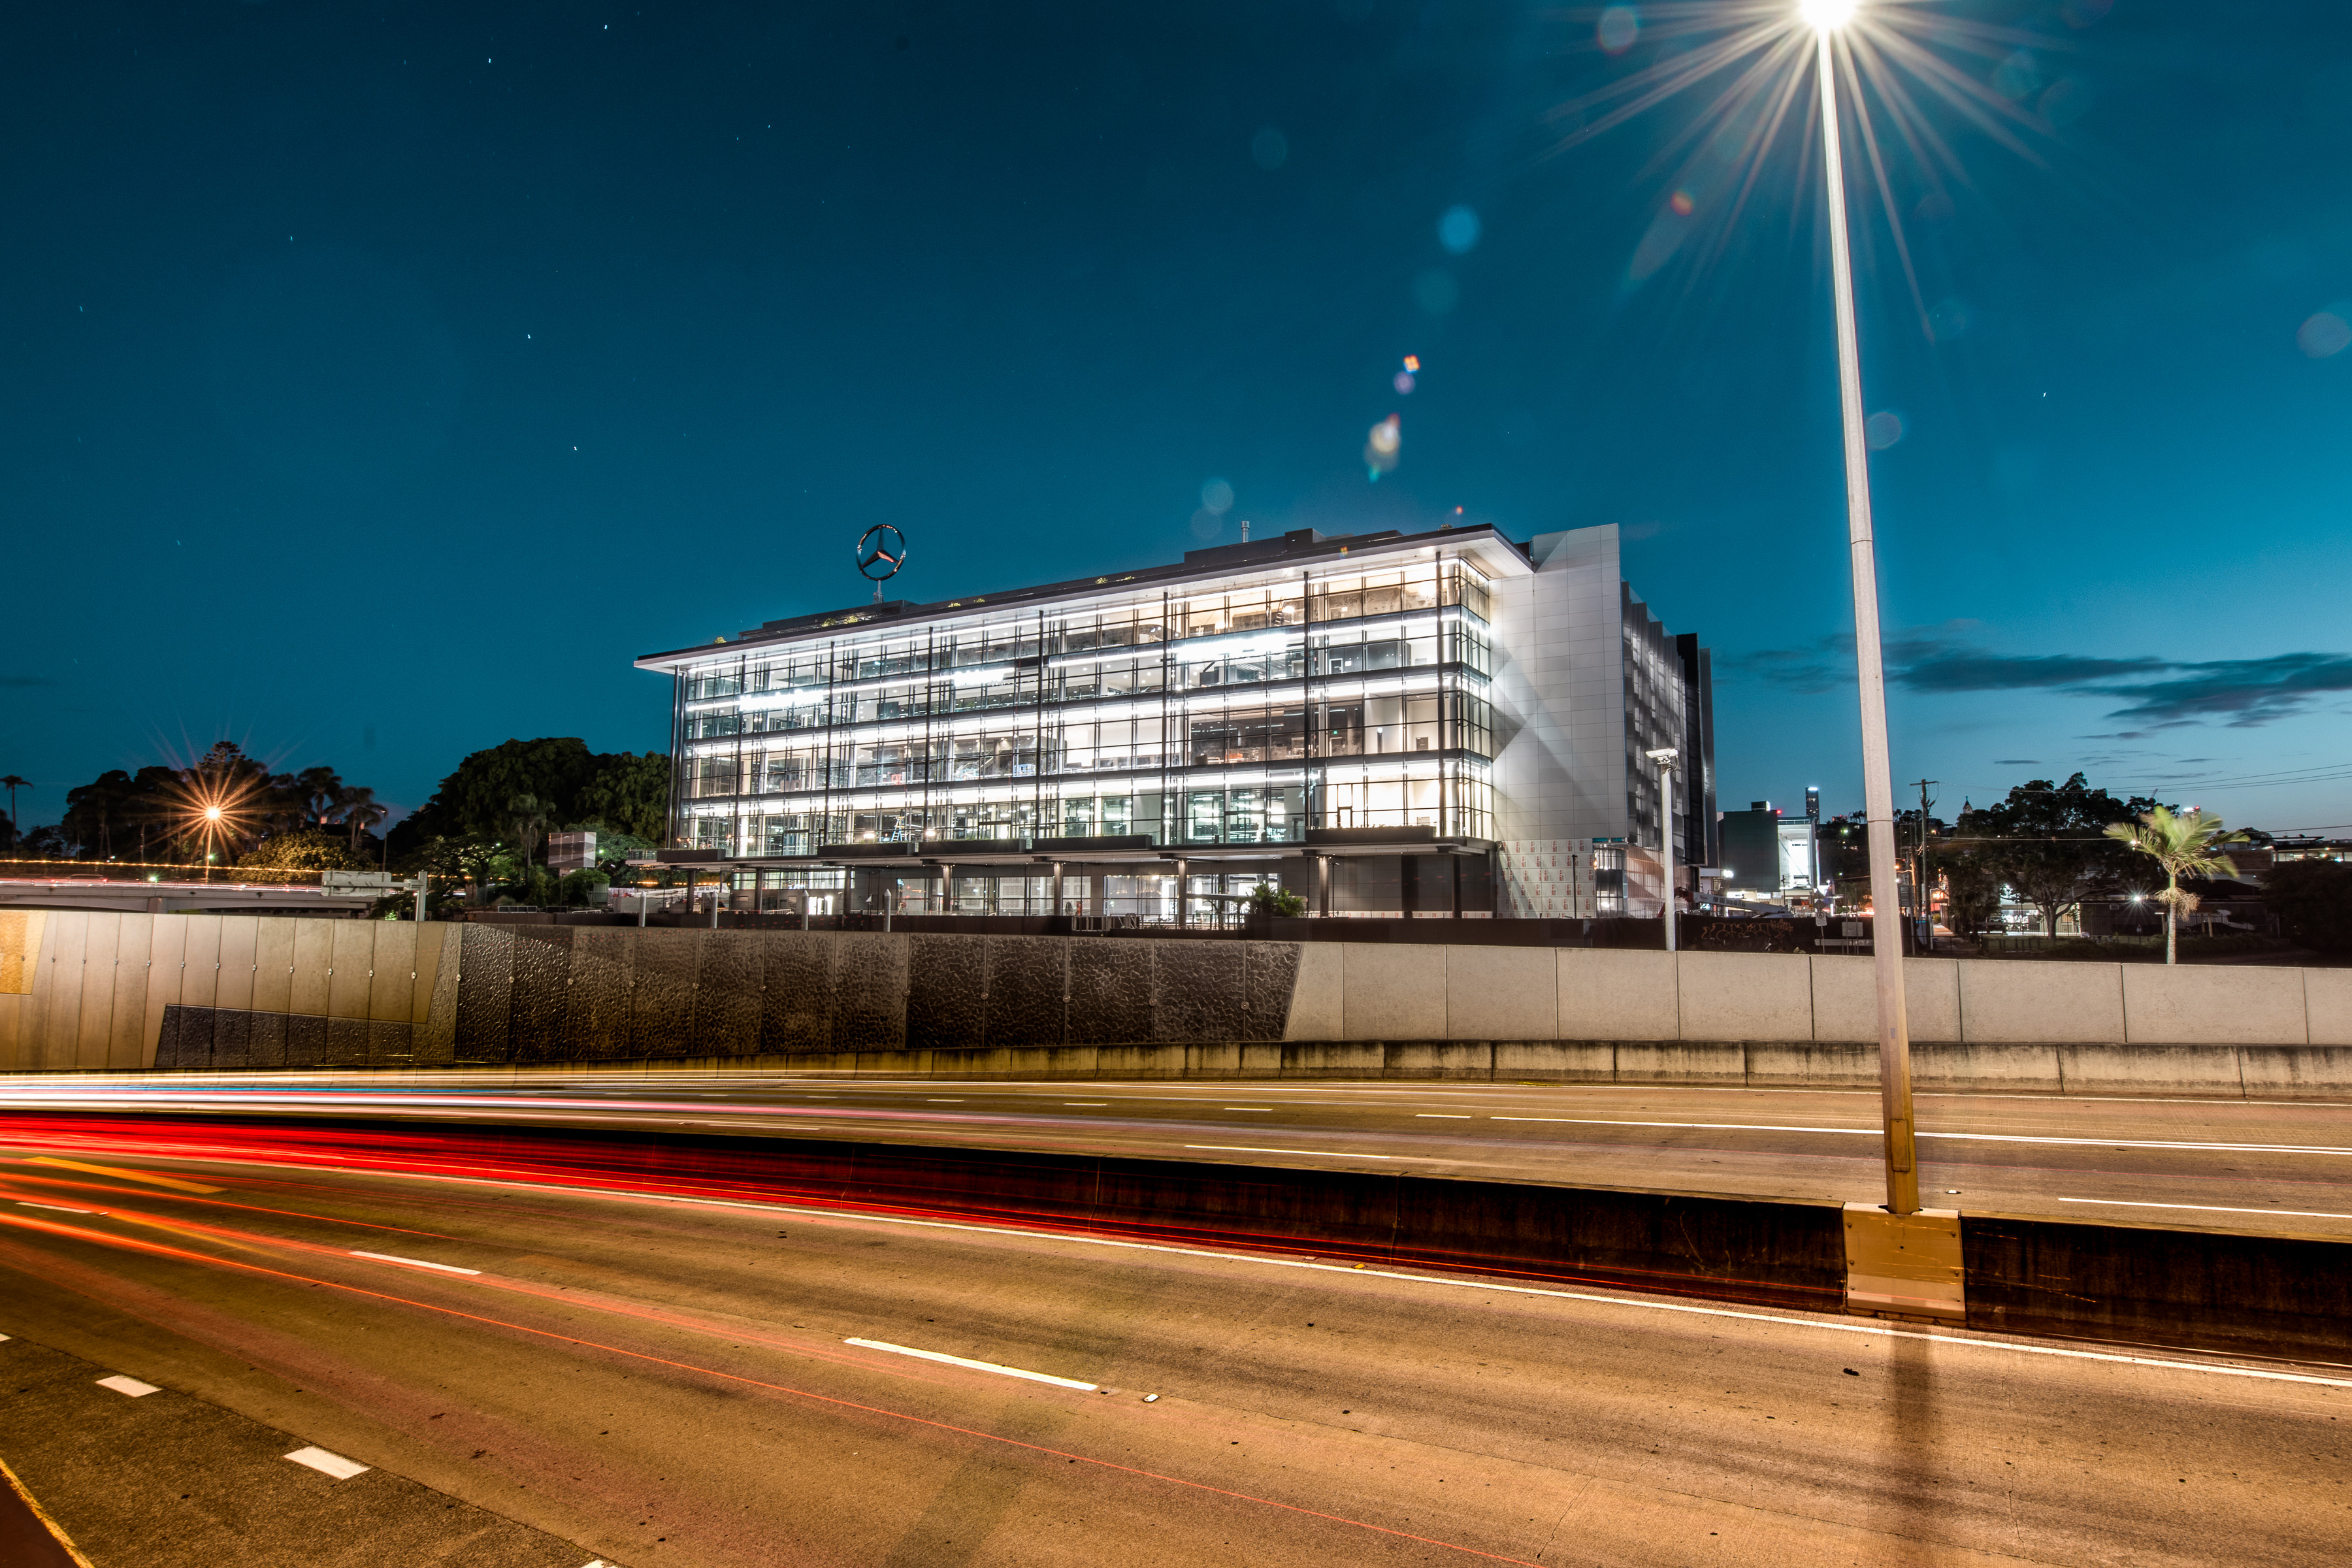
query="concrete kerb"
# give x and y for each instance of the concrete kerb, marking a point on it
(2255, 1072)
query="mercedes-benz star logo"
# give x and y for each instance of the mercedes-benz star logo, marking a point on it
(881, 553)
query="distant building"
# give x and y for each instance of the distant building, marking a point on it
(1450, 723)
(1768, 855)
(571, 852)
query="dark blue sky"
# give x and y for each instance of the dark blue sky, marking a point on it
(384, 378)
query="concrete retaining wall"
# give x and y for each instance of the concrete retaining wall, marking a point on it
(129, 991)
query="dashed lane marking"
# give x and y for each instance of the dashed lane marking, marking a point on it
(129, 1386)
(1326, 1153)
(326, 1464)
(947, 1360)
(416, 1263)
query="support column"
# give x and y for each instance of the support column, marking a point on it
(1183, 904)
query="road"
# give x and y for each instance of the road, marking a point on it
(2280, 1166)
(657, 1381)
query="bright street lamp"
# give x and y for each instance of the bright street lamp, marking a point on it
(1877, 774)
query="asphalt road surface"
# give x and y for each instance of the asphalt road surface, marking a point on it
(2282, 1166)
(644, 1380)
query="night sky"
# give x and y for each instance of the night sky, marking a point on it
(382, 379)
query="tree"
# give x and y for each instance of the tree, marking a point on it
(527, 814)
(473, 799)
(1971, 893)
(2313, 899)
(464, 858)
(2049, 841)
(308, 850)
(226, 799)
(629, 793)
(12, 783)
(318, 792)
(360, 809)
(2186, 845)
(94, 810)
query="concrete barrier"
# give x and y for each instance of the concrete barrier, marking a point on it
(126, 991)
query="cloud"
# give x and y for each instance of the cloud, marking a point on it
(2017, 761)
(2158, 693)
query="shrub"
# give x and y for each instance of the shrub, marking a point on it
(1265, 898)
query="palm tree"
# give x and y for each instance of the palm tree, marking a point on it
(529, 814)
(360, 809)
(12, 783)
(2185, 846)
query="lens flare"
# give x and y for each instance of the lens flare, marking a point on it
(1826, 16)
(1382, 445)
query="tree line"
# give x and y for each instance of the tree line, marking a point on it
(485, 827)
(2056, 845)
(226, 805)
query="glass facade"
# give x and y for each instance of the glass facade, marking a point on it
(1224, 709)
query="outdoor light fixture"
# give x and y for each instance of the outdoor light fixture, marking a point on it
(1826, 16)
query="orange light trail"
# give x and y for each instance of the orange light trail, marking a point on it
(75, 1233)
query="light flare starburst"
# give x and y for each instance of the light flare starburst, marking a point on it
(1902, 66)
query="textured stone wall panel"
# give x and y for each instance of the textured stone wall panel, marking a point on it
(306, 1040)
(484, 978)
(347, 1043)
(947, 993)
(596, 1023)
(265, 1040)
(1110, 991)
(1271, 973)
(869, 991)
(796, 1000)
(232, 1039)
(661, 1009)
(540, 994)
(167, 1041)
(1197, 991)
(388, 1042)
(727, 994)
(1028, 980)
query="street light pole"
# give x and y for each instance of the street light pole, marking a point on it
(1664, 757)
(1877, 774)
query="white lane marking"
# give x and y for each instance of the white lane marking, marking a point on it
(1249, 1108)
(1444, 1115)
(1098, 1103)
(2120, 1142)
(328, 1464)
(1328, 1154)
(129, 1386)
(1353, 1272)
(947, 1360)
(56, 1208)
(944, 1098)
(416, 1263)
(2206, 1208)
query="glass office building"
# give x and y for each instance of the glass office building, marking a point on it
(1319, 712)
